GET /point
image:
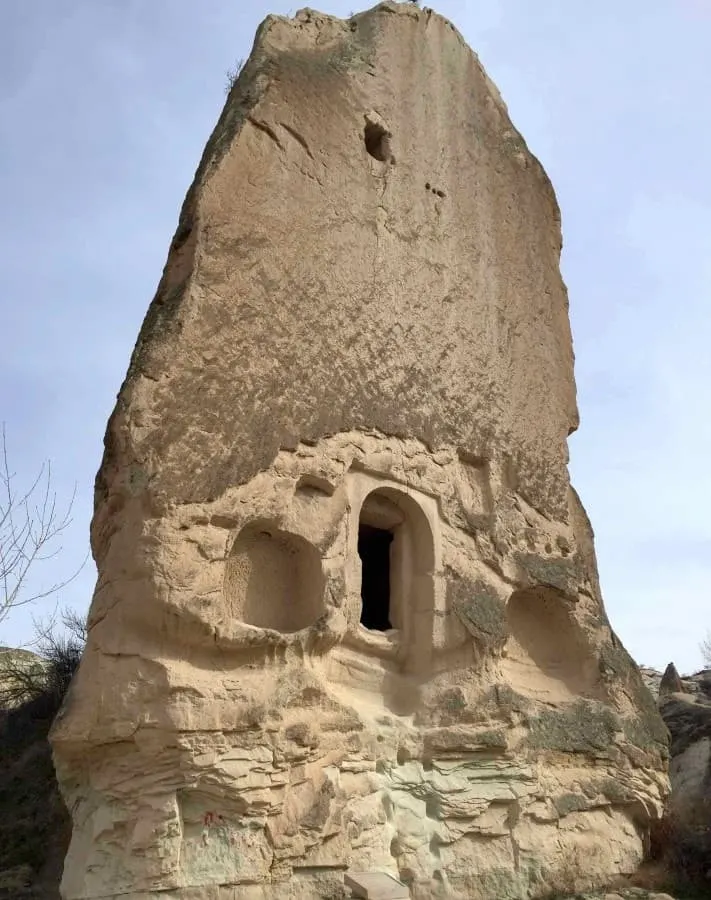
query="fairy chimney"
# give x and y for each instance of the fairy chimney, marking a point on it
(347, 616)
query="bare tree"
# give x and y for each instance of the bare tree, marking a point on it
(44, 676)
(31, 526)
(232, 75)
(705, 647)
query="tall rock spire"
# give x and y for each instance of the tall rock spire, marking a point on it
(347, 614)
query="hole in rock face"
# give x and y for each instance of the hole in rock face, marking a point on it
(548, 654)
(377, 142)
(273, 579)
(374, 551)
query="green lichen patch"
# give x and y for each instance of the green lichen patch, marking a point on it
(615, 791)
(480, 610)
(645, 731)
(508, 705)
(570, 803)
(561, 573)
(584, 727)
(464, 740)
(160, 321)
(647, 736)
(451, 707)
(501, 883)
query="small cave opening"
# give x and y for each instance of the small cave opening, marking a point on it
(377, 141)
(273, 579)
(374, 551)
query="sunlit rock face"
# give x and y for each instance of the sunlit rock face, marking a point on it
(347, 614)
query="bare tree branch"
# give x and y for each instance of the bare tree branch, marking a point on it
(705, 647)
(232, 75)
(30, 529)
(45, 674)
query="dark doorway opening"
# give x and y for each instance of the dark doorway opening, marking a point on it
(374, 552)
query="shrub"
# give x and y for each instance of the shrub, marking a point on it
(232, 75)
(683, 845)
(35, 827)
(42, 680)
(705, 647)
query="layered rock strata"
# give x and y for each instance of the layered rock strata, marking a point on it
(347, 614)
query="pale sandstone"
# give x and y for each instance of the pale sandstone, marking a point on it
(376, 886)
(361, 319)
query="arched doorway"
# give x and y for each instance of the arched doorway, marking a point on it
(396, 552)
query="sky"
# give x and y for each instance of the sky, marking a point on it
(105, 107)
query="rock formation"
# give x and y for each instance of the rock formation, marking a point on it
(687, 714)
(670, 682)
(18, 668)
(682, 841)
(347, 614)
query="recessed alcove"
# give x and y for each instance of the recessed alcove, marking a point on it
(378, 138)
(274, 579)
(377, 141)
(548, 655)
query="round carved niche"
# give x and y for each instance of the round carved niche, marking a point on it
(274, 579)
(549, 655)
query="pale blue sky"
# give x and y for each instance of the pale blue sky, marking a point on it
(105, 106)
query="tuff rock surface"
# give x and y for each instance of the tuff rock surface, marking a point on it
(670, 682)
(361, 322)
(685, 705)
(687, 715)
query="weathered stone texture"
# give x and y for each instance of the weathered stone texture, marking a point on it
(361, 320)
(670, 682)
(687, 714)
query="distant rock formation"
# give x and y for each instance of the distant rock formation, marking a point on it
(698, 684)
(13, 662)
(684, 841)
(687, 715)
(670, 682)
(348, 613)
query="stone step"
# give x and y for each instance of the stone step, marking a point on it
(376, 886)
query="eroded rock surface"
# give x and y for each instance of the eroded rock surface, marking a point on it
(687, 714)
(670, 682)
(685, 705)
(349, 406)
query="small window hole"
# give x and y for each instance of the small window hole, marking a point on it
(377, 142)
